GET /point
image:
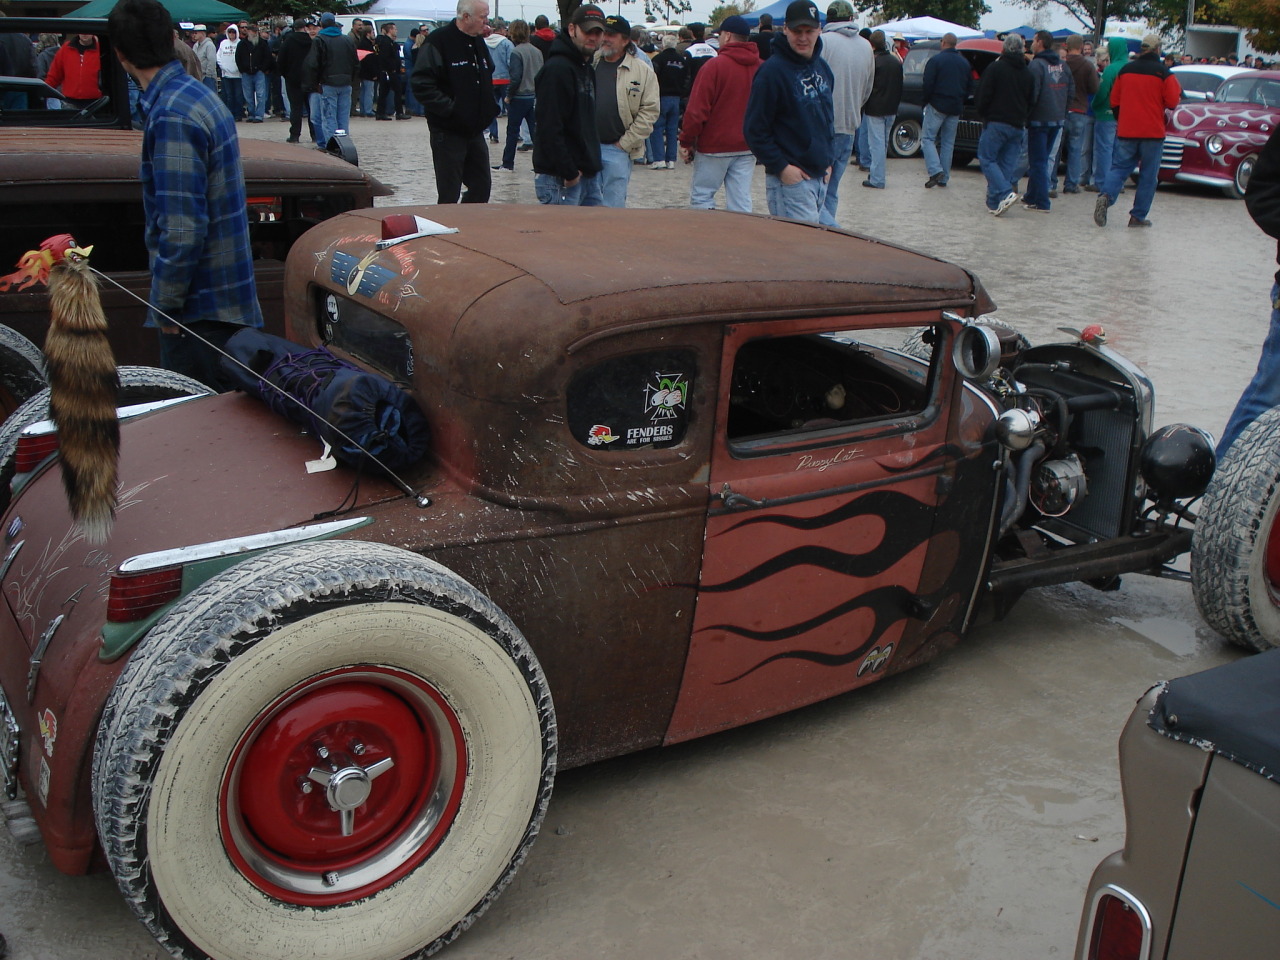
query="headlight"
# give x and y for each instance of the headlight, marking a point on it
(1215, 144)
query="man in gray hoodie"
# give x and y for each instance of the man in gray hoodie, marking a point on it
(853, 65)
(1054, 88)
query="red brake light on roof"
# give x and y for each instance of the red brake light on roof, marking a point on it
(135, 596)
(399, 225)
(1117, 931)
(33, 450)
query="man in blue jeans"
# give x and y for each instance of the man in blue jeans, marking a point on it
(1144, 89)
(1004, 103)
(1079, 116)
(852, 65)
(566, 144)
(881, 108)
(789, 122)
(948, 80)
(1054, 88)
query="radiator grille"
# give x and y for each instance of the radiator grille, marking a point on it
(1171, 154)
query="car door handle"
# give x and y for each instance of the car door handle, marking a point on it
(736, 501)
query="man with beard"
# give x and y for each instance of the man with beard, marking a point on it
(566, 143)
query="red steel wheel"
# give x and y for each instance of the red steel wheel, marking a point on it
(343, 786)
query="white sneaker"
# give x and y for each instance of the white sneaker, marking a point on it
(661, 165)
(1009, 200)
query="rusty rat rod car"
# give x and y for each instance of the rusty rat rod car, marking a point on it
(667, 493)
(1199, 875)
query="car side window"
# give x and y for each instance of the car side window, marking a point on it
(631, 402)
(366, 334)
(788, 386)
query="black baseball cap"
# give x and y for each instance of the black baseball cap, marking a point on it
(615, 24)
(802, 13)
(588, 15)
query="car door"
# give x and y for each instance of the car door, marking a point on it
(832, 553)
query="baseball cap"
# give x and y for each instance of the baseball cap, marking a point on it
(588, 15)
(736, 25)
(200, 26)
(802, 13)
(617, 24)
(840, 10)
(327, 19)
(1151, 41)
(312, 21)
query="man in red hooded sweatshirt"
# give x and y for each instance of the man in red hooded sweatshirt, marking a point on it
(711, 136)
(75, 69)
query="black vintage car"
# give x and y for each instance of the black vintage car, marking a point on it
(905, 141)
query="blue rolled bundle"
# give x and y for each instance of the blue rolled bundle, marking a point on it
(371, 410)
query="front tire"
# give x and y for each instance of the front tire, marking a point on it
(22, 373)
(233, 834)
(904, 139)
(1240, 179)
(1235, 558)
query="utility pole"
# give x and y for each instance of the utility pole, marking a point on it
(1100, 19)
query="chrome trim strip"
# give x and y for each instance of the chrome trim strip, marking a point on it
(1110, 889)
(42, 427)
(9, 558)
(180, 556)
(33, 672)
(1203, 178)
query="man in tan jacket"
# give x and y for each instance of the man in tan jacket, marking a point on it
(627, 104)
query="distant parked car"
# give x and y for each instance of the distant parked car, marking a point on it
(905, 140)
(1199, 874)
(1216, 143)
(1200, 81)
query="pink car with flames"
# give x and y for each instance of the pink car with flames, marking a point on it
(1217, 142)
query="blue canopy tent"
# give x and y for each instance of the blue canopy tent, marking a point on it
(777, 10)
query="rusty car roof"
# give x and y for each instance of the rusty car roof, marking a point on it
(39, 156)
(540, 282)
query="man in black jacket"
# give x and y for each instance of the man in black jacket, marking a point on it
(391, 72)
(881, 108)
(1005, 98)
(253, 58)
(566, 143)
(293, 54)
(453, 80)
(948, 78)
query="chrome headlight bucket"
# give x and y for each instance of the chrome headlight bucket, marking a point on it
(1215, 144)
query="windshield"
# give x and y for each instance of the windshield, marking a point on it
(1263, 91)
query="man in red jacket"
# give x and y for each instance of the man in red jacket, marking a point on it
(1144, 89)
(711, 136)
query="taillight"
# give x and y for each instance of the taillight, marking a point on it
(33, 450)
(134, 596)
(1119, 931)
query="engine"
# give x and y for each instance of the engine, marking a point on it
(1082, 461)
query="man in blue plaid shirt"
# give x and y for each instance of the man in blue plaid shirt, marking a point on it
(193, 197)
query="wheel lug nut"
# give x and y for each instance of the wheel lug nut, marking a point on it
(331, 878)
(304, 784)
(357, 748)
(322, 751)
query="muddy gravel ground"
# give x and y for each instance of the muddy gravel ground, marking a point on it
(952, 813)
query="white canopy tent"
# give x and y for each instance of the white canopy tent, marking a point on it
(411, 10)
(922, 28)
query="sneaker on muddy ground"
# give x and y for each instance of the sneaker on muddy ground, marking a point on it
(1139, 222)
(1009, 200)
(1100, 210)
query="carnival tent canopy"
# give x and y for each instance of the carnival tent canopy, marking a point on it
(920, 28)
(192, 11)
(777, 10)
(411, 10)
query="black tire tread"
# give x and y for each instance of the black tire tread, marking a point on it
(21, 365)
(1229, 531)
(230, 614)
